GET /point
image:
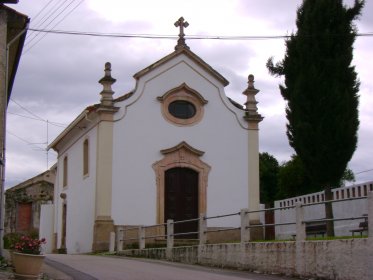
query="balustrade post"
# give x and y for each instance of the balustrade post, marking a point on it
(369, 247)
(141, 237)
(170, 239)
(170, 234)
(245, 223)
(370, 214)
(119, 238)
(202, 229)
(112, 242)
(300, 225)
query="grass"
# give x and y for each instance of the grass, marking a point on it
(335, 237)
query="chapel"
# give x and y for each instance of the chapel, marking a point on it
(174, 147)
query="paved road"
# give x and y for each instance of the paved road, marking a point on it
(88, 267)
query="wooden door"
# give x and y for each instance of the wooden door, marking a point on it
(181, 200)
(24, 216)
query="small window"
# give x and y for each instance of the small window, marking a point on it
(182, 109)
(182, 106)
(64, 178)
(85, 158)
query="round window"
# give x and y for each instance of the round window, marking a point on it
(182, 109)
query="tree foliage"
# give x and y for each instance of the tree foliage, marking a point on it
(293, 179)
(321, 88)
(268, 170)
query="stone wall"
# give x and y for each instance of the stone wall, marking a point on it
(345, 259)
(23, 203)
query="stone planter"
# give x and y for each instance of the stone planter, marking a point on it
(27, 266)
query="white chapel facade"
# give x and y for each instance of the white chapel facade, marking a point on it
(173, 148)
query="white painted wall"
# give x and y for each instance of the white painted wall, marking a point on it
(344, 209)
(80, 193)
(46, 226)
(220, 134)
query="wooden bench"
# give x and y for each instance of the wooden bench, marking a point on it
(363, 226)
(316, 228)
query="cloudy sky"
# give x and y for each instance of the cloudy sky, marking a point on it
(58, 74)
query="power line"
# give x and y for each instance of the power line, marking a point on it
(364, 171)
(28, 111)
(53, 19)
(50, 12)
(27, 117)
(67, 14)
(190, 37)
(41, 10)
(36, 116)
(62, 125)
(27, 142)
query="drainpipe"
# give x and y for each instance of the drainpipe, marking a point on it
(2, 156)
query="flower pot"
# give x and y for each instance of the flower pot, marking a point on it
(27, 265)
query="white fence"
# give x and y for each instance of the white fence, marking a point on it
(347, 207)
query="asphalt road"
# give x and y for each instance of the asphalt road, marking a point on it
(88, 267)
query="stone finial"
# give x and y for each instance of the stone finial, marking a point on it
(251, 108)
(250, 81)
(106, 82)
(181, 41)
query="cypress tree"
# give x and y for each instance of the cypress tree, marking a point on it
(321, 90)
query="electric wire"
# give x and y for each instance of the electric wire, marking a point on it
(41, 10)
(62, 125)
(38, 24)
(364, 171)
(53, 19)
(66, 15)
(25, 109)
(36, 117)
(189, 37)
(27, 142)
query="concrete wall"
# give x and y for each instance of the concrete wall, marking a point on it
(345, 259)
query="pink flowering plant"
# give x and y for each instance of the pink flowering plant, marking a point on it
(29, 245)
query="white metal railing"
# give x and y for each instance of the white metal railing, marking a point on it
(244, 227)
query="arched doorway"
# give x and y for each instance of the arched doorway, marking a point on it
(180, 156)
(181, 199)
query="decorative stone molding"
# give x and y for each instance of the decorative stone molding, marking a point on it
(107, 81)
(185, 156)
(182, 93)
(251, 116)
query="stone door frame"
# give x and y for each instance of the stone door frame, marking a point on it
(185, 156)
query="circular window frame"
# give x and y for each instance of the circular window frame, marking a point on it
(182, 93)
(190, 109)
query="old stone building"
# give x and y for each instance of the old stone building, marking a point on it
(23, 202)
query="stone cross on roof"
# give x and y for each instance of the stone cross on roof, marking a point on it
(181, 41)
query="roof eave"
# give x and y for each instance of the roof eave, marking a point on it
(192, 56)
(67, 130)
(20, 24)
